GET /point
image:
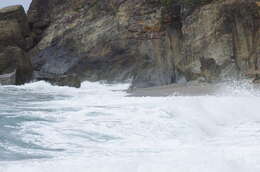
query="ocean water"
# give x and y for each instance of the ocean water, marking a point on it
(98, 128)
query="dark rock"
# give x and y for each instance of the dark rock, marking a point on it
(14, 28)
(7, 62)
(18, 14)
(71, 80)
(210, 70)
(38, 17)
(105, 40)
(8, 79)
(143, 40)
(15, 59)
(15, 39)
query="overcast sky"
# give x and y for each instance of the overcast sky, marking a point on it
(25, 3)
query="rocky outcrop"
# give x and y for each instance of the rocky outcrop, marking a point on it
(14, 28)
(8, 79)
(148, 41)
(15, 59)
(226, 33)
(60, 80)
(15, 39)
(106, 40)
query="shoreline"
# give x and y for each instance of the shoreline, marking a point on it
(193, 89)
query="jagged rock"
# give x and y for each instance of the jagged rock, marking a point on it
(141, 39)
(15, 39)
(8, 79)
(38, 17)
(105, 40)
(71, 80)
(15, 59)
(210, 70)
(224, 31)
(14, 28)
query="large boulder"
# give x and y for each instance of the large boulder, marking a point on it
(15, 39)
(14, 28)
(15, 59)
(71, 80)
(148, 41)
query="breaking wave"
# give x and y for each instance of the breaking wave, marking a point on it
(100, 128)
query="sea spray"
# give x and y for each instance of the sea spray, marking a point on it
(100, 128)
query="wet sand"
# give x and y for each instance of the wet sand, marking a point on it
(189, 89)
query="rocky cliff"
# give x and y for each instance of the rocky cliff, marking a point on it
(152, 42)
(15, 40)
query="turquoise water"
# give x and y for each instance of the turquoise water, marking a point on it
(17, 109)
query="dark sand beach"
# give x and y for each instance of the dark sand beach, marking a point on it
(195, 89)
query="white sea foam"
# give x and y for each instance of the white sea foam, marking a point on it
(99, 129)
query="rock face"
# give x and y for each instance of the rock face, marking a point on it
(8, 79)
(15, 59)
(60, 80)
(15, 39)
(227, 34)
(145, 40)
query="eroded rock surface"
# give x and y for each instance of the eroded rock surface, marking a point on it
(71, 80)
(226, 32)
(15, 59)
(145, 40)
(15, 40)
